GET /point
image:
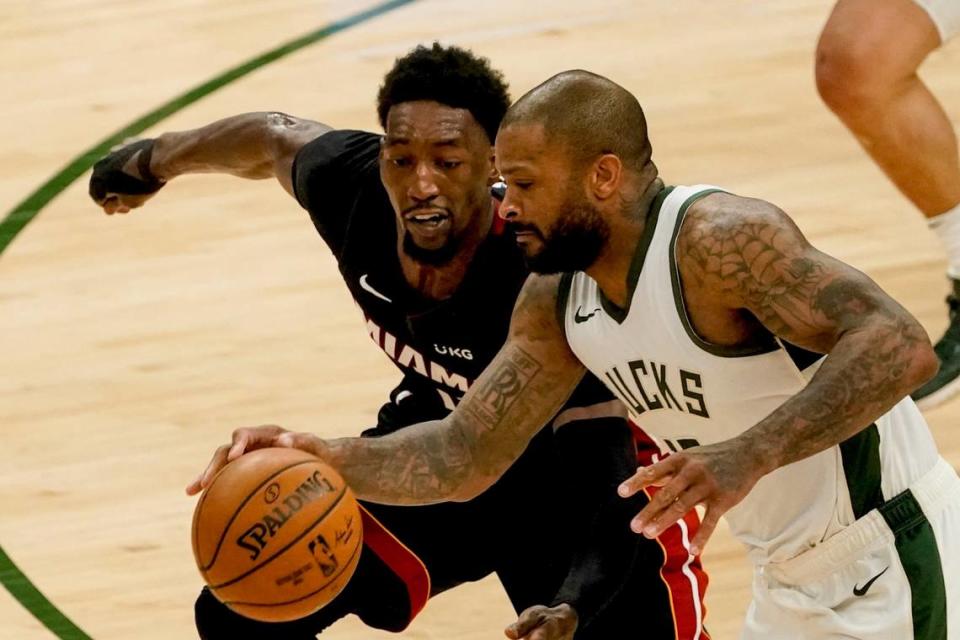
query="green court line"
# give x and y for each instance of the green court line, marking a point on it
(36, 603)
(23, 213)
(12, 578)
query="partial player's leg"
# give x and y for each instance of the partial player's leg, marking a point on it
(867, 61)
(866, 68)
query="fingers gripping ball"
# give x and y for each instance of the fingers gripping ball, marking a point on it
(277, 534)
(109, 178)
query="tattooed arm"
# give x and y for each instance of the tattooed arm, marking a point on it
(743, 264)
(458, 457)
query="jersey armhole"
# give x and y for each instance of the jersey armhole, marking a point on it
(764, 343)
(294, 182)
(324, 154)
(563, 294)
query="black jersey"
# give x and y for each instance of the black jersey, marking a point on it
(444, 345)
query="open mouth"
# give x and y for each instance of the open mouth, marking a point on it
(428, 218)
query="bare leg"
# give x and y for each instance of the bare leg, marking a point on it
(867, 61)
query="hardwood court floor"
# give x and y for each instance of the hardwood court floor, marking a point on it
(133, 345)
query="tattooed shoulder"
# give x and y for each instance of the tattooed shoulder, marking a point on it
(732, 243)
(749, 254)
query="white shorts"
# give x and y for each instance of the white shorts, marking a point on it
(945, 15)
(894, 574)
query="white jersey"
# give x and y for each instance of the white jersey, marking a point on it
(685, 391)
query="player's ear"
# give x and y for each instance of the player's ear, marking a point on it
(493, 176)
(606, 175)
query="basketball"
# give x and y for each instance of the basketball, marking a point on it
(277, 534)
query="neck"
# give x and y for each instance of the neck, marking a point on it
(438, 282)
(611, 269)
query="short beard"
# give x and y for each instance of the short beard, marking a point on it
(574, 241)
(433, 257)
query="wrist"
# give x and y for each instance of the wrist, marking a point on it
(567, 610)
(757, 454)
(161, 165)
(337, 451)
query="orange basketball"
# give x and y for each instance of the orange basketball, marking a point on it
(277, 534)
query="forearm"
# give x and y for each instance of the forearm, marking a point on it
(424, 463)
(458, 457)
(867, 372)
(246, 145)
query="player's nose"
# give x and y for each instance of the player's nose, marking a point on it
(424, 183)
(509, 208)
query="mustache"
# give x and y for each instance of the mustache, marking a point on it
(515, 227)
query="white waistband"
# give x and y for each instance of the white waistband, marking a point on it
(932, 491)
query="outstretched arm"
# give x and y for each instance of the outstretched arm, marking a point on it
(458, 457)
(251, 145)
(752, 257)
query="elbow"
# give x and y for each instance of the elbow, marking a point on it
(924, 364)
(911, 361)
(471, 488)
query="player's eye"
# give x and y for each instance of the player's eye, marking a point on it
(400, 162)
(449, 164)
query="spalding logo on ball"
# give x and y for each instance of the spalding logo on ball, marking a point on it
(277, 534)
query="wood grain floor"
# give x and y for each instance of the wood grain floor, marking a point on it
(133, 345)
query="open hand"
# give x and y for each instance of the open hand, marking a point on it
(544, 623)
(248, 439)
(717, 476)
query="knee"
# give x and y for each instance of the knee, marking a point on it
(850, 76)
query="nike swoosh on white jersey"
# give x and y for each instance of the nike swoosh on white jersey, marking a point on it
(368, 288)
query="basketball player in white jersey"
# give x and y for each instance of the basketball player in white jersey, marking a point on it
(708, 314)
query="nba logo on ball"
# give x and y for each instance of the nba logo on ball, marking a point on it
(325, 558)
(277, 534)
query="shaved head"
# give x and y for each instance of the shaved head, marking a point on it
(576, 159)
(590, 114)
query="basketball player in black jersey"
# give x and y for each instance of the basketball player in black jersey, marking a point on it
(411, 222)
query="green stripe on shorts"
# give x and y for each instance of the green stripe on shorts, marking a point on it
(917, 548)
(861, 466)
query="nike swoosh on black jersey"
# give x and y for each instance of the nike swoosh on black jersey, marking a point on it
(579, 318)
(366, 287)
(860, 591)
